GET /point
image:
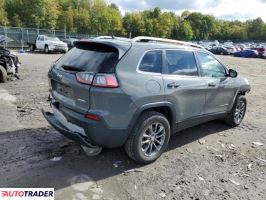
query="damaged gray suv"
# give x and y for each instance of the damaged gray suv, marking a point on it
(111, 92)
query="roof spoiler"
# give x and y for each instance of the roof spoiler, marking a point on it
(122, 49)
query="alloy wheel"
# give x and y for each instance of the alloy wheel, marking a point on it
(153, 138)
(239, 112)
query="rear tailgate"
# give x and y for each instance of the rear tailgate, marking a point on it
(86, 56)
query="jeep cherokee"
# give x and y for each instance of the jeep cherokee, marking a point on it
(111, 92)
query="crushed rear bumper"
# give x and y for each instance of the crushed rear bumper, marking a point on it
(51, 118)
(87, 132)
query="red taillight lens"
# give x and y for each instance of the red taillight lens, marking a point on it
(92, 117)
(105, 80)
(85, 77)
(97, 80)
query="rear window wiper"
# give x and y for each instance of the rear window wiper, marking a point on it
(72, 68)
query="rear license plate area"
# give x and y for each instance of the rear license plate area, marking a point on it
(62, 89)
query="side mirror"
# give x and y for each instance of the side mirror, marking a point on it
(232, 73)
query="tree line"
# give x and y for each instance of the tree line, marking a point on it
(96, 17)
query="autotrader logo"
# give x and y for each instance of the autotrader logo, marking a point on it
(26, 193)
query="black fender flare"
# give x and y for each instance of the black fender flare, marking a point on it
(148, 106)
(242, 90)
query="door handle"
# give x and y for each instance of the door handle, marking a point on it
(211, 84)
(173, 85)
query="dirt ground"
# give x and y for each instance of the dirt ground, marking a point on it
(210, 161)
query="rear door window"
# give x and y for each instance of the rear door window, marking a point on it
(181, 62)
(152, 62)
(91, 57)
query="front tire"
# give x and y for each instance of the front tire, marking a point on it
(238, 111)
(3, 74)
(149, 138)
(46, 49)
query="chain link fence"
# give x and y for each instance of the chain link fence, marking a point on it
(22, 36)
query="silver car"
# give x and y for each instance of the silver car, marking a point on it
(111, 92)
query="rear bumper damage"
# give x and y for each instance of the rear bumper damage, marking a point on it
(89, 133)
(75, 136)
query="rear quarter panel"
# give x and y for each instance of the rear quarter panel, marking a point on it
(140, 87)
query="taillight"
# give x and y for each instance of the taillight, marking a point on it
(85, 77)
(92, 117)
(97, 80)
(105, 80)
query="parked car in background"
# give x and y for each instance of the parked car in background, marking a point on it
(114, 92)
(70, 42)
(9, 62)
(220, 51)
(48, 44)
(231, 49)
(261, 51)
(248, 53)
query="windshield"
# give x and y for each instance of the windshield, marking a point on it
(91, 57)
(56, 39)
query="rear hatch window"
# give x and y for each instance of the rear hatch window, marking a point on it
(91, 57)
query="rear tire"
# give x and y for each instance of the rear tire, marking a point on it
(3, 74)
(46, 49)
(149, 138)
(238, 111)
(32, 47)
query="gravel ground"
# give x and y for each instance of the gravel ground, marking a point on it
(210, 161)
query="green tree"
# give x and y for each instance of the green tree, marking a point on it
(82, 20)
(66, 20)
(255, 29)
(15, 21)
(34, 13)
(115, 20)
(134, 24)
(3, 14)
(203, 25)
(184, 32)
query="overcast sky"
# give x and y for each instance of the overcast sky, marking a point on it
(224, 9)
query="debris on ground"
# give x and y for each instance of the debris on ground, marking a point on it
(25, 108)
(117, 163)
(189, 150)
(132, 170)
(56, 158)
(162, 194)
(257, 143)
(231, 146)
(200, 178)
(202, 141)
(235, 182)
(260, 159)
(220, 157)
(250, 166)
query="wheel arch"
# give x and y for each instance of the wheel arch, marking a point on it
(241, 91)
(165, 108)
(4, 65)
